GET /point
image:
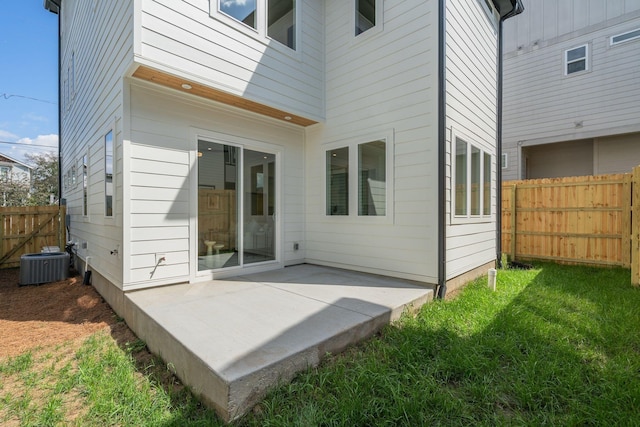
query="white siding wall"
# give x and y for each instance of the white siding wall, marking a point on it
(379, 83)
(161, 173)
(541, 104)
(184, 38)
(97, 42)
(471, 97)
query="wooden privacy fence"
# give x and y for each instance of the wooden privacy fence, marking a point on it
(27, 229)
(576, 220)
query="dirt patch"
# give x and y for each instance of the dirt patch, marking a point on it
(49, 314)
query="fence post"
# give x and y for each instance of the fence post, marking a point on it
(514, 217)
(635, 229)
(626, 220)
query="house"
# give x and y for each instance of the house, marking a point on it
(16, 171)
(214, 138)
(11, 167)
(571, 89)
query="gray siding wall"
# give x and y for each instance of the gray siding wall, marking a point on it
(191, 38)
(471, 112)
(97, 50)
(378, 84)
(541, 104)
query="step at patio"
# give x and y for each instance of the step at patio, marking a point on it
(232, 340)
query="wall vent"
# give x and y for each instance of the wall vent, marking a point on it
(43, 268)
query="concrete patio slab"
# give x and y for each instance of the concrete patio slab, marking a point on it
(231, 340)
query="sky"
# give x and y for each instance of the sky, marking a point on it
(28, 69)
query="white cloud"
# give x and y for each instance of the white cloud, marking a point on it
(38, 145)
(230, 3)
(7, 136)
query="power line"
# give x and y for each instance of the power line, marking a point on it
(28, 145)
(9, 95)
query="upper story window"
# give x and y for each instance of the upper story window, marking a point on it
(576, 59)
(281, 25)
(280, 17)
(241, 10)
(625, 37)
(365, 15)
(4, 171)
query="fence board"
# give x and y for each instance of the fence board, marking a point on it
(577, 220)
(27, 229)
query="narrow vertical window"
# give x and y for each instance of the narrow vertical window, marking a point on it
(85, 182)
(461, 177)
(365, 15)
(241, 10)
(576, 60)
(338, 181)
(108, 174)
(282, 21)
(372, 179)
(475, 181)
(486, 191)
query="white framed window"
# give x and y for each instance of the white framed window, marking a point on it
(108, 174)
(244, 11)
(337, 181)
(281, 22)
(85, 185)
(625, 37)
(266, 20)
(4, 172)
(576, 59)
(367, 16)
(472, 178)
(504, 161)
(358, 178)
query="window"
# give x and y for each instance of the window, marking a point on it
(85, 182)
(282, 21)
(366, 15)
(504, 163)
(472, 180)
(338, 181)
(625, 37)
(372, 181)
(241, 10)
(486, 190)
(108, 174)
(576, 59)
(4, 172)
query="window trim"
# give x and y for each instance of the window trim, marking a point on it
(388, 136)
(616, 43)
(587, 65)
(468, 218)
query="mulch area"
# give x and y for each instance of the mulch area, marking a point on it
(49, 314)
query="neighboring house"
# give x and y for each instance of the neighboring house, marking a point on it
(18, 172)
(571, 89)
(10, 167)
(206, 139)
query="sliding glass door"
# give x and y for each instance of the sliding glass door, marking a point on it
(236, 206)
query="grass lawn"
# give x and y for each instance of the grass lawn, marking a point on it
(557, 345)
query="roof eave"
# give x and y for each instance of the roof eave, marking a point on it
(52, 6)
(508, 8)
